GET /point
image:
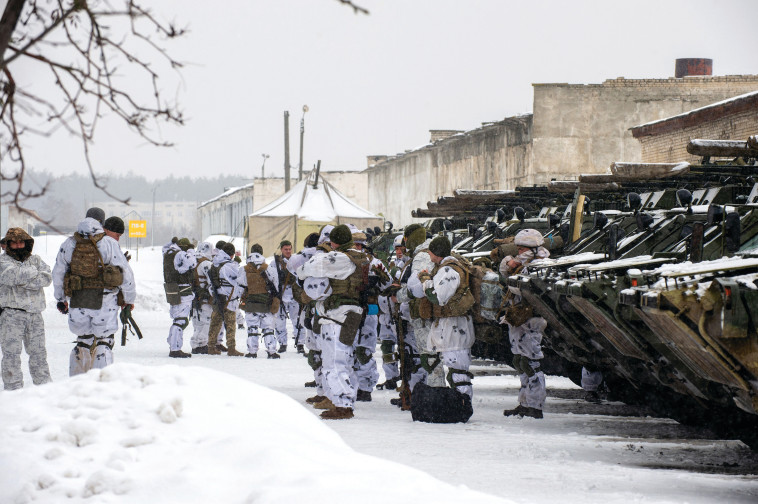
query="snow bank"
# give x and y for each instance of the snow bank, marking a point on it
(132, 433)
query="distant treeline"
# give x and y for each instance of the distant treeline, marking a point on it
(67, 195)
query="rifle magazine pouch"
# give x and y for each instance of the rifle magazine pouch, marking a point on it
(275, 304)
(172, 293)
(439, 405)
(112, 276)
(424, 308)
(517, 314)
(87, 298)
(350, 327)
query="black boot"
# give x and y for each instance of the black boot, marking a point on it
(251, 355)
(310, 383)
(200, 350)
(273, 356)
(532, 412)
(179, 354)
(300, 349)
(518, 410)
(282, 348)
(363, 396)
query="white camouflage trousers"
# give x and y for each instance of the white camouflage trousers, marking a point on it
(180, 315)
(312, 342)
(337, 366)
(365, 344)
(94, 330)
(421, 330)
(260, 324)
(23, 329)
(292, 308)
(458, 363)
(201, 322)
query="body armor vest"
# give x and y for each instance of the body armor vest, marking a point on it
(257, 289)
(170, 274)
(349, 290)
(461, 302)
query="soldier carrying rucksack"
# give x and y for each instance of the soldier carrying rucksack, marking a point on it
(89, 274)
(178, 276)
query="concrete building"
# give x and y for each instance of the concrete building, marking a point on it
(226, 214)
(574, 129)
(665, 141)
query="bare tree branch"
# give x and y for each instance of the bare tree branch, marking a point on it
(356, 8)
(98, 55)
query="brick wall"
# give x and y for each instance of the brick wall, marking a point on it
(671, 146)
(583, 128)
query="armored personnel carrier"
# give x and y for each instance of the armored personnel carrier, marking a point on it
(655, 282)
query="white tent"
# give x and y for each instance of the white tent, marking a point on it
(308, 206)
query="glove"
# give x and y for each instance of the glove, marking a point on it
(424, 276)
(127, 255)
(62, 307)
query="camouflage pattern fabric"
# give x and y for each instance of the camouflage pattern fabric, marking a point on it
(22, 329)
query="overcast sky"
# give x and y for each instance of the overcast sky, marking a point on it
(377, 83)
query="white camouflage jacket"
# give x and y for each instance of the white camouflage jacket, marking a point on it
(21, 283)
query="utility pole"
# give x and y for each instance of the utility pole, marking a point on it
(263, 166)
(153, 225)
(302, 131)
(286, 151)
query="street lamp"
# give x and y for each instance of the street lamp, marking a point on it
(152, 216)
(263, 166)
(302, 130)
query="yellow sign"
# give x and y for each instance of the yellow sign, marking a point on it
(137, 229)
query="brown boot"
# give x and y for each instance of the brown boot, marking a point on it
(338, 414)
(212, 350)
(324, 404)
(232, 352)
(315, 399)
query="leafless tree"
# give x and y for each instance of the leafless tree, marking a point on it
(97, 58)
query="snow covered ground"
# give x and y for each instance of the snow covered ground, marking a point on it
(221, 429)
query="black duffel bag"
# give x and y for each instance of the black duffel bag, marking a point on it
(439, 405)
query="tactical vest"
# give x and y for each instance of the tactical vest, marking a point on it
(170, 274)
(257, 290)
(286, 279)
(202, 293)
(86, 261)
(462, 301)
(349, 290)
(88, 275)
(214, 274)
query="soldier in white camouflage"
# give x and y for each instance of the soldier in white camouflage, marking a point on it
(23, 276)
(91, 279)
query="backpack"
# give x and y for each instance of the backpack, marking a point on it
(484, 284)
(86, 261)
(488, 293)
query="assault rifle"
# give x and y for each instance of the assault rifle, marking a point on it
(282, 277)
(127, 322)
(405, 362)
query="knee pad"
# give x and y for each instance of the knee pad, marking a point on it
(532, 367)
(87, 341)
(363, 354)
(314, 359)
(108, 341)
(387, 346)
(430, 361)
(453, 383)
(181, 322)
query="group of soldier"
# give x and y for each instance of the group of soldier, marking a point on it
(341, 300)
